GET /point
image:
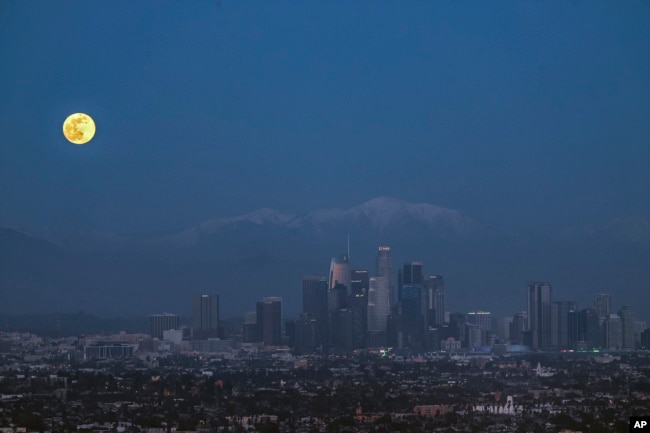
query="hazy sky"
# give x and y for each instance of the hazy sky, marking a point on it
(513, 112)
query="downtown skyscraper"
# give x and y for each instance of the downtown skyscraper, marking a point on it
(340, 272)
(385, 269)
(205, 317)
(340, 283)
(269, 321)
(315, 304)
(410, 274)
(378, 305)
(560, 311)
(603, 304)
(628, 322)
(540, 299)
(435, 300)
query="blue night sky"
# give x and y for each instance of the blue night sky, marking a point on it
(517, 113)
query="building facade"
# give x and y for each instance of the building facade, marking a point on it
(378, 304)
(340, 272)
(481, 318)
(269, 321)
(315, 304)
(603, 304)
(628, 322)
(205, 317)
(385, 269)
(613, 332)
(162, 322)
(560, 323)
(359, 280)
(540, 298)
(411, 274)
(435, 285)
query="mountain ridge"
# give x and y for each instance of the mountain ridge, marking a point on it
(380, 214)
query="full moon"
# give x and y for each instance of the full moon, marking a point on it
(79, 128)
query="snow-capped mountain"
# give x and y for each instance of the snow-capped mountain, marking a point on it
(382, 213)
(379, 214)
(261, 217)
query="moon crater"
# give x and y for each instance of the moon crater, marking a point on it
(79, 128)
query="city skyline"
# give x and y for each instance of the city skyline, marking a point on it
(383, 210)
(341, 318)
(367, 216)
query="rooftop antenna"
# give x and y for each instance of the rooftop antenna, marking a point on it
(348, 248)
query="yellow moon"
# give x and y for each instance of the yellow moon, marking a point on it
(79, 128)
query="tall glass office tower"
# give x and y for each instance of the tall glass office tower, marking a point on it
(603, 304)
(540, 298)
(410, 274)
(385, 269)
(628, 320)
(435, 286)
(340, 272)
(315, 303)
(378, 304)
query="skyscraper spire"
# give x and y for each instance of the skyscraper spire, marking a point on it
(348, 248)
